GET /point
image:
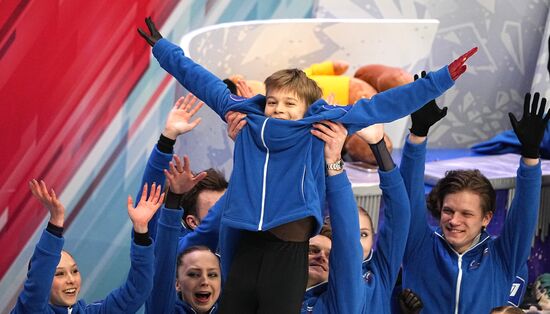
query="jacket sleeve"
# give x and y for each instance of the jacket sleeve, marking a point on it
(412, 171)
(514, 243)
(196, 79)
(36, 291)
(153, 173)
(129, 297)
(207, 232)
(397, 102)
(345, 283)
(392, 235)
(163, 297)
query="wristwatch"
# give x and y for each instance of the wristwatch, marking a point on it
(338, 165)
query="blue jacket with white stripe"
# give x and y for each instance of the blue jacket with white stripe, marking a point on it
(480, 278)
(278, 173)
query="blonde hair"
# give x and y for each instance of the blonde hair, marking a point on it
(294, 80)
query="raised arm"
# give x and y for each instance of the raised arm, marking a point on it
(133, 293)
(514, 244)
(400, 101)
(180, 180)
(392, 235)
(412, 171)
(36, 291)
(345, 284)
(179, 121)
(192, 76)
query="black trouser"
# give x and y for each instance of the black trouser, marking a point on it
(267, 275)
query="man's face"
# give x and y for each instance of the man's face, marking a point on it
(319, 251)
(199, 280)
(462, 219)
(66, 282)
(365, 229)
(284, 105)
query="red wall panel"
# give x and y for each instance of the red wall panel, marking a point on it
(66, 67)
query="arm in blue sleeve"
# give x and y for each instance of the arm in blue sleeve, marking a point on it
(163, 297)
(514, 243)
(36, 291)
(154, 173)
(207, 232)
(392, 236)
(345, 283)
(412, 171)
(134, 292)
(196, 79)
(397, 102)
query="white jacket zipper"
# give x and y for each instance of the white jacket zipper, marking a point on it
(260, 225)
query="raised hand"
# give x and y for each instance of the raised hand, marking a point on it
(425, 117)
(154, 36)
(179, 118)
(49, 200)
(457, 67)
(372, 134)
(530, 129)
(180, 178)
(244, 89)
(409, 302)
(235, 122)
(146, 208)
(334, 135)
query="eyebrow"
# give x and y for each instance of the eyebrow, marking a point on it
(285, 98)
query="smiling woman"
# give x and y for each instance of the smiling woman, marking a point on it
(66, 281)
(53, 280)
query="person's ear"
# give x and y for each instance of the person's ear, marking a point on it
(487, 219)
(191, 221)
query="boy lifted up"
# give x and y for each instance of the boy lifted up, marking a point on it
(277, 189)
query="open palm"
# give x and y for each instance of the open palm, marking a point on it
(179, 118)
(146, 208)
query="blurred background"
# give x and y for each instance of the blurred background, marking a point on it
(82, 103)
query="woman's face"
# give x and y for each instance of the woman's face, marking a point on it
(66, 282)
(367, 234)
(462, 219)
(199, 280)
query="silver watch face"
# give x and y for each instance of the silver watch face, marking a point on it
(339, 165)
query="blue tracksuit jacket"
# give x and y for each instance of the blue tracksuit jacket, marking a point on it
(480, 278)
(343, 293)
(153, 173)
(127, 299)
(380, 269)
(163, 298)
(278, 174)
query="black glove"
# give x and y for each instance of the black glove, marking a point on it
(530, 129)
(548, 64)
(409, 302)
(425, 117)
(155, 35)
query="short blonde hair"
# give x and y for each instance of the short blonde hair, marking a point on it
(294, 80)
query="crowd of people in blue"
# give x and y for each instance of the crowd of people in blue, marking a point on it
(262, 242)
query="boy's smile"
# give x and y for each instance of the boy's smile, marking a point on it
(284, 105)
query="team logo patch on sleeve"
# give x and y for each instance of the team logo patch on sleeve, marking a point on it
(237, 98)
